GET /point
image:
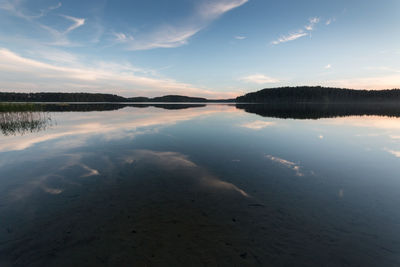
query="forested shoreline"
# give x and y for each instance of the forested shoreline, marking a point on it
(300, 94)
(318, 94)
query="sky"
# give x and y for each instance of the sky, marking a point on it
(206, 48)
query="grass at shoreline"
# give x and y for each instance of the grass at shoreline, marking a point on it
(19, 107)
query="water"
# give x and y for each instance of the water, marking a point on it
(215, 185)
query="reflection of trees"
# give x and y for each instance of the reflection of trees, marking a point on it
(23, 122)
(112, 106)
(68, 107)
(168, 106)
(317, 111)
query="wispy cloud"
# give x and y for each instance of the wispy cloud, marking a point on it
(330, 21)
(169, 34)
(55, 7)
(290, 37)
(165, 37)
(122, 37)
(34, 75)
(240, 37)
(6, 5)
(299, 33)
(15, 8)
(175, 35)
(61, 37)
(258, 79)
(312, 23)
(214, 9)
(77, 22)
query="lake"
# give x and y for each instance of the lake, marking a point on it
(200, 185)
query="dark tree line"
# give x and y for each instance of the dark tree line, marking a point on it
(88, 97)
(302, 94)
(318, 94)
(59, 97)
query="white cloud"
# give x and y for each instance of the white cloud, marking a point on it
(165, 37)
(169, 36)
(56, 6)
(330, 21)
(313, 22)
(258, 79)
(6, 5)
(54, 55)
(122, 37)
(22, 74)
(214, 9)
(290, 37)
(239, 37)
(77, 22)
(59, 37)
(309, 27)
(14, 7)
(298, 34)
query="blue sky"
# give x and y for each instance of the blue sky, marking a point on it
(211, 48)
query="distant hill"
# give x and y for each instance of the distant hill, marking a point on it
(168, 98)
(318, 94)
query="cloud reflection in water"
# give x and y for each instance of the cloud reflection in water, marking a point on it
(286, 163)
(174, 162)
(124, 123)
(257, 125)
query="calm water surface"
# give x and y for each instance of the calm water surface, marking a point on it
(211, 185)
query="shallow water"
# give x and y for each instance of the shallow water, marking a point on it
(213, 185)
